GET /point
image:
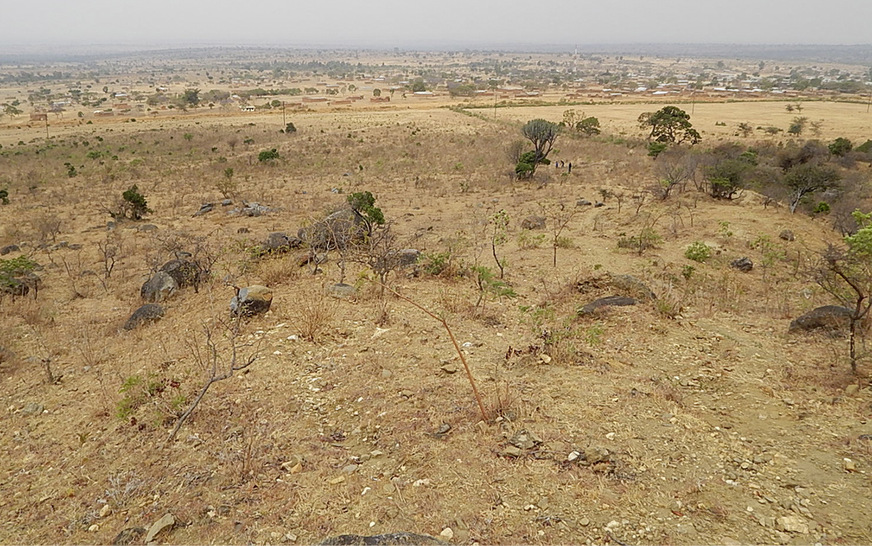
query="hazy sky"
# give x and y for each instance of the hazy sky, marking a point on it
(409, 23)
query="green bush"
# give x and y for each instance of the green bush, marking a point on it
(840, 146)
(822, 208)
(290, 128)
(656, 148)
(134, 204)
(4, 197)
(698, 252)
(364, 203)
(267, 155)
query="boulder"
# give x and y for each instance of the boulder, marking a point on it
(150, 312)
(583, 203)
(787, 235)
(341, 290)
(251, 300)
(204, 208)
(742, 264)
(533, 222)
(279, 242)
(609, 301)
(184, 272)
(392, 539)
(158, 288)
(829, 317)
(338, 230)
(21, 284)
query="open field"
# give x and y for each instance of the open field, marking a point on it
(690, 418)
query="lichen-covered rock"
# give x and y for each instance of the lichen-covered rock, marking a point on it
(533, 222)
(279, 242)
(787, 235)
(251, 300)
(340, 229)
(150, 312)
(184, 272)
(158, 288)
(632, 286)
(829, 317)
(742, 264)
(609, 301)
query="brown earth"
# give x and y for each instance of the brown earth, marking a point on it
(690, 419)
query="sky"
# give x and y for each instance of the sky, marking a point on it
(441, 23)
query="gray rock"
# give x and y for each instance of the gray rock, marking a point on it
(251, 210)
(609, 301)
(583, 203)
(633, 287)
(147, 227)
(594, 455)
(787, 235)
(278, 242)
(829, 317)
(150, 312)
(533, 222)
(158, 288)
(742, 264)
(341, 291)
(166, 521)
(9, 248)
(598, 204)
(340, 229)
(184, 272)
(226, 202)
(251, 300)
(32, 409)
(21, 284)
(407, 256)
(392, 539)
(525, 440)
(204, 208)
(792, 524)
(128, 536)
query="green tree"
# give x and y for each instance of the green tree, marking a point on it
(191, 97)
(588, 126)
(133, 204)
(376, 92)
(364, 203)
(797, 126)
(669, 124)
(542, 134)
(840, 146)
(807, 178)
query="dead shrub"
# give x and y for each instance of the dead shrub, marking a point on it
(315, 316)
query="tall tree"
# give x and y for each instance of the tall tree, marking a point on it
(669, 124)
(541, 134)
(807, 178)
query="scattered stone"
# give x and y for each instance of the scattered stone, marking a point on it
(105, 511)
(584, 522)
(511, 451)
(341, 290)
(32, 409)
(392, 539)
(128, 536)
(598, 204)
(583, 203)
(573, 456)
(251, 300)
(533, 222)
(184, 272)
(450, 368)
(8, 249)
(594, 455)
(609, 301)
(792, 524)
(404, 257)
(226, 202)
(632, 286)
(251, 210)
(93, 528)
(849, 465)
(144, 228)
(525, 440)
(828, 317)
(350, 469)
(787, 235)
(150, 312)
(158, 288)
(852, 389)
(742, 264)
(336, 231)
(447, 533)
(167, 521)
(204, 208)
(336, 481)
